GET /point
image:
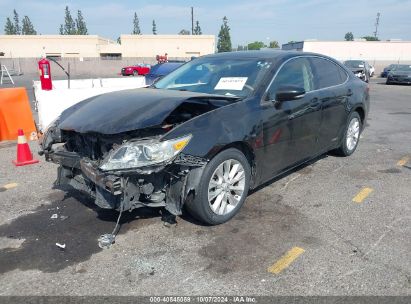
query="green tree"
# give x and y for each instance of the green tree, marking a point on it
(27, 27)
(69, 27)
(256, 45)
(224, 39)
(274, 45)
(119, 40)
(349, 36)
(81, 27)
(197, 29)
(9, 27)
(370, 38)
(17, 27)
(154, 28)
(136, 25)
(184, 32)
(61, 30)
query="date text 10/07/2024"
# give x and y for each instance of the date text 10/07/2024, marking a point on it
(203, 299)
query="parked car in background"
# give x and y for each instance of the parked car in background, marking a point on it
(372, 70)
(138, 69)
(400, 73)
(206, 133)
(162, 69)
(360, 68)
(386, 70)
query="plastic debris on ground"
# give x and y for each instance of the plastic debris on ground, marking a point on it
(61, 246)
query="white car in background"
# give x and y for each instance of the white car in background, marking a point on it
(372, 70)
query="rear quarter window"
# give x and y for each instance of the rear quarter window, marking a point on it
(327, 73)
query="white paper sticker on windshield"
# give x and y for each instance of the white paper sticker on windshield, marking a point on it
(231, 83)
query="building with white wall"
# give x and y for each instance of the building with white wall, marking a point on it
(93, 46)
(378, 53)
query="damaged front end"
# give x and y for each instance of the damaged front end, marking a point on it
(117, 147)
(124, 171)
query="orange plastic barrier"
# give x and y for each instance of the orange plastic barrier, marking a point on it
(15, 113)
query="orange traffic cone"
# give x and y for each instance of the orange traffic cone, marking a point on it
(24, 155)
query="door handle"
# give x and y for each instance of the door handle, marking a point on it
(315, 104)
(349, 92)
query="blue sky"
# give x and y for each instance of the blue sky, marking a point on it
(262, 20)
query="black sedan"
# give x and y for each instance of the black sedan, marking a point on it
(160, 70)
(209, 131)
(386, 70)
(400, 74)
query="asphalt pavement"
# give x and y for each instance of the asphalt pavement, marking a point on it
(338, 226)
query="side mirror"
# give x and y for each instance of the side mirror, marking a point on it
(286, 93)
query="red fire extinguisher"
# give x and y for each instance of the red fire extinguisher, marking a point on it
(45, 74)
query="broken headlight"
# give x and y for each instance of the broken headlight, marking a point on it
(144, 153)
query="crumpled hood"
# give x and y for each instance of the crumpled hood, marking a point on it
(356, 70)
(124, 111)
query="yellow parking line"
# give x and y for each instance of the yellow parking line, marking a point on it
(8, 186)
(286, 260)
(362, 195)
(403, 161)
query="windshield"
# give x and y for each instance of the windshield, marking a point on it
(354, 63)
(221, 76)
(402, 67)
(164, 68)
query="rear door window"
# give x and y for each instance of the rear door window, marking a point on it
(327, 73)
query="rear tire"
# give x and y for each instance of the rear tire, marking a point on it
(351, 135)
(221, 192)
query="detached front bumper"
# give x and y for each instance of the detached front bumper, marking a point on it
(106, 189)
(162, 186)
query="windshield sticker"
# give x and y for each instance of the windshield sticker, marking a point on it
(231, 83)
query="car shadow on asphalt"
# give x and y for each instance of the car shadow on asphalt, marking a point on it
(302, 169)
(71, 219)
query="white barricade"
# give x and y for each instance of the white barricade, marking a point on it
(50, 104)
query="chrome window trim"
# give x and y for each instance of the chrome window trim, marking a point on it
(305, 56)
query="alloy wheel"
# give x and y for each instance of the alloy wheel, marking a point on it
(226, 187)
(353, 134)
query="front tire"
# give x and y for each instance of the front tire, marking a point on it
(135, 73)
(223, 188)
(351, 135)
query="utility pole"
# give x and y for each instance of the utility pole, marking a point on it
(192, 21)
(377, 23)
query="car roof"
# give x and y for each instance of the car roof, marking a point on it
(263, 54)
(277, 55)
(165, 67)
